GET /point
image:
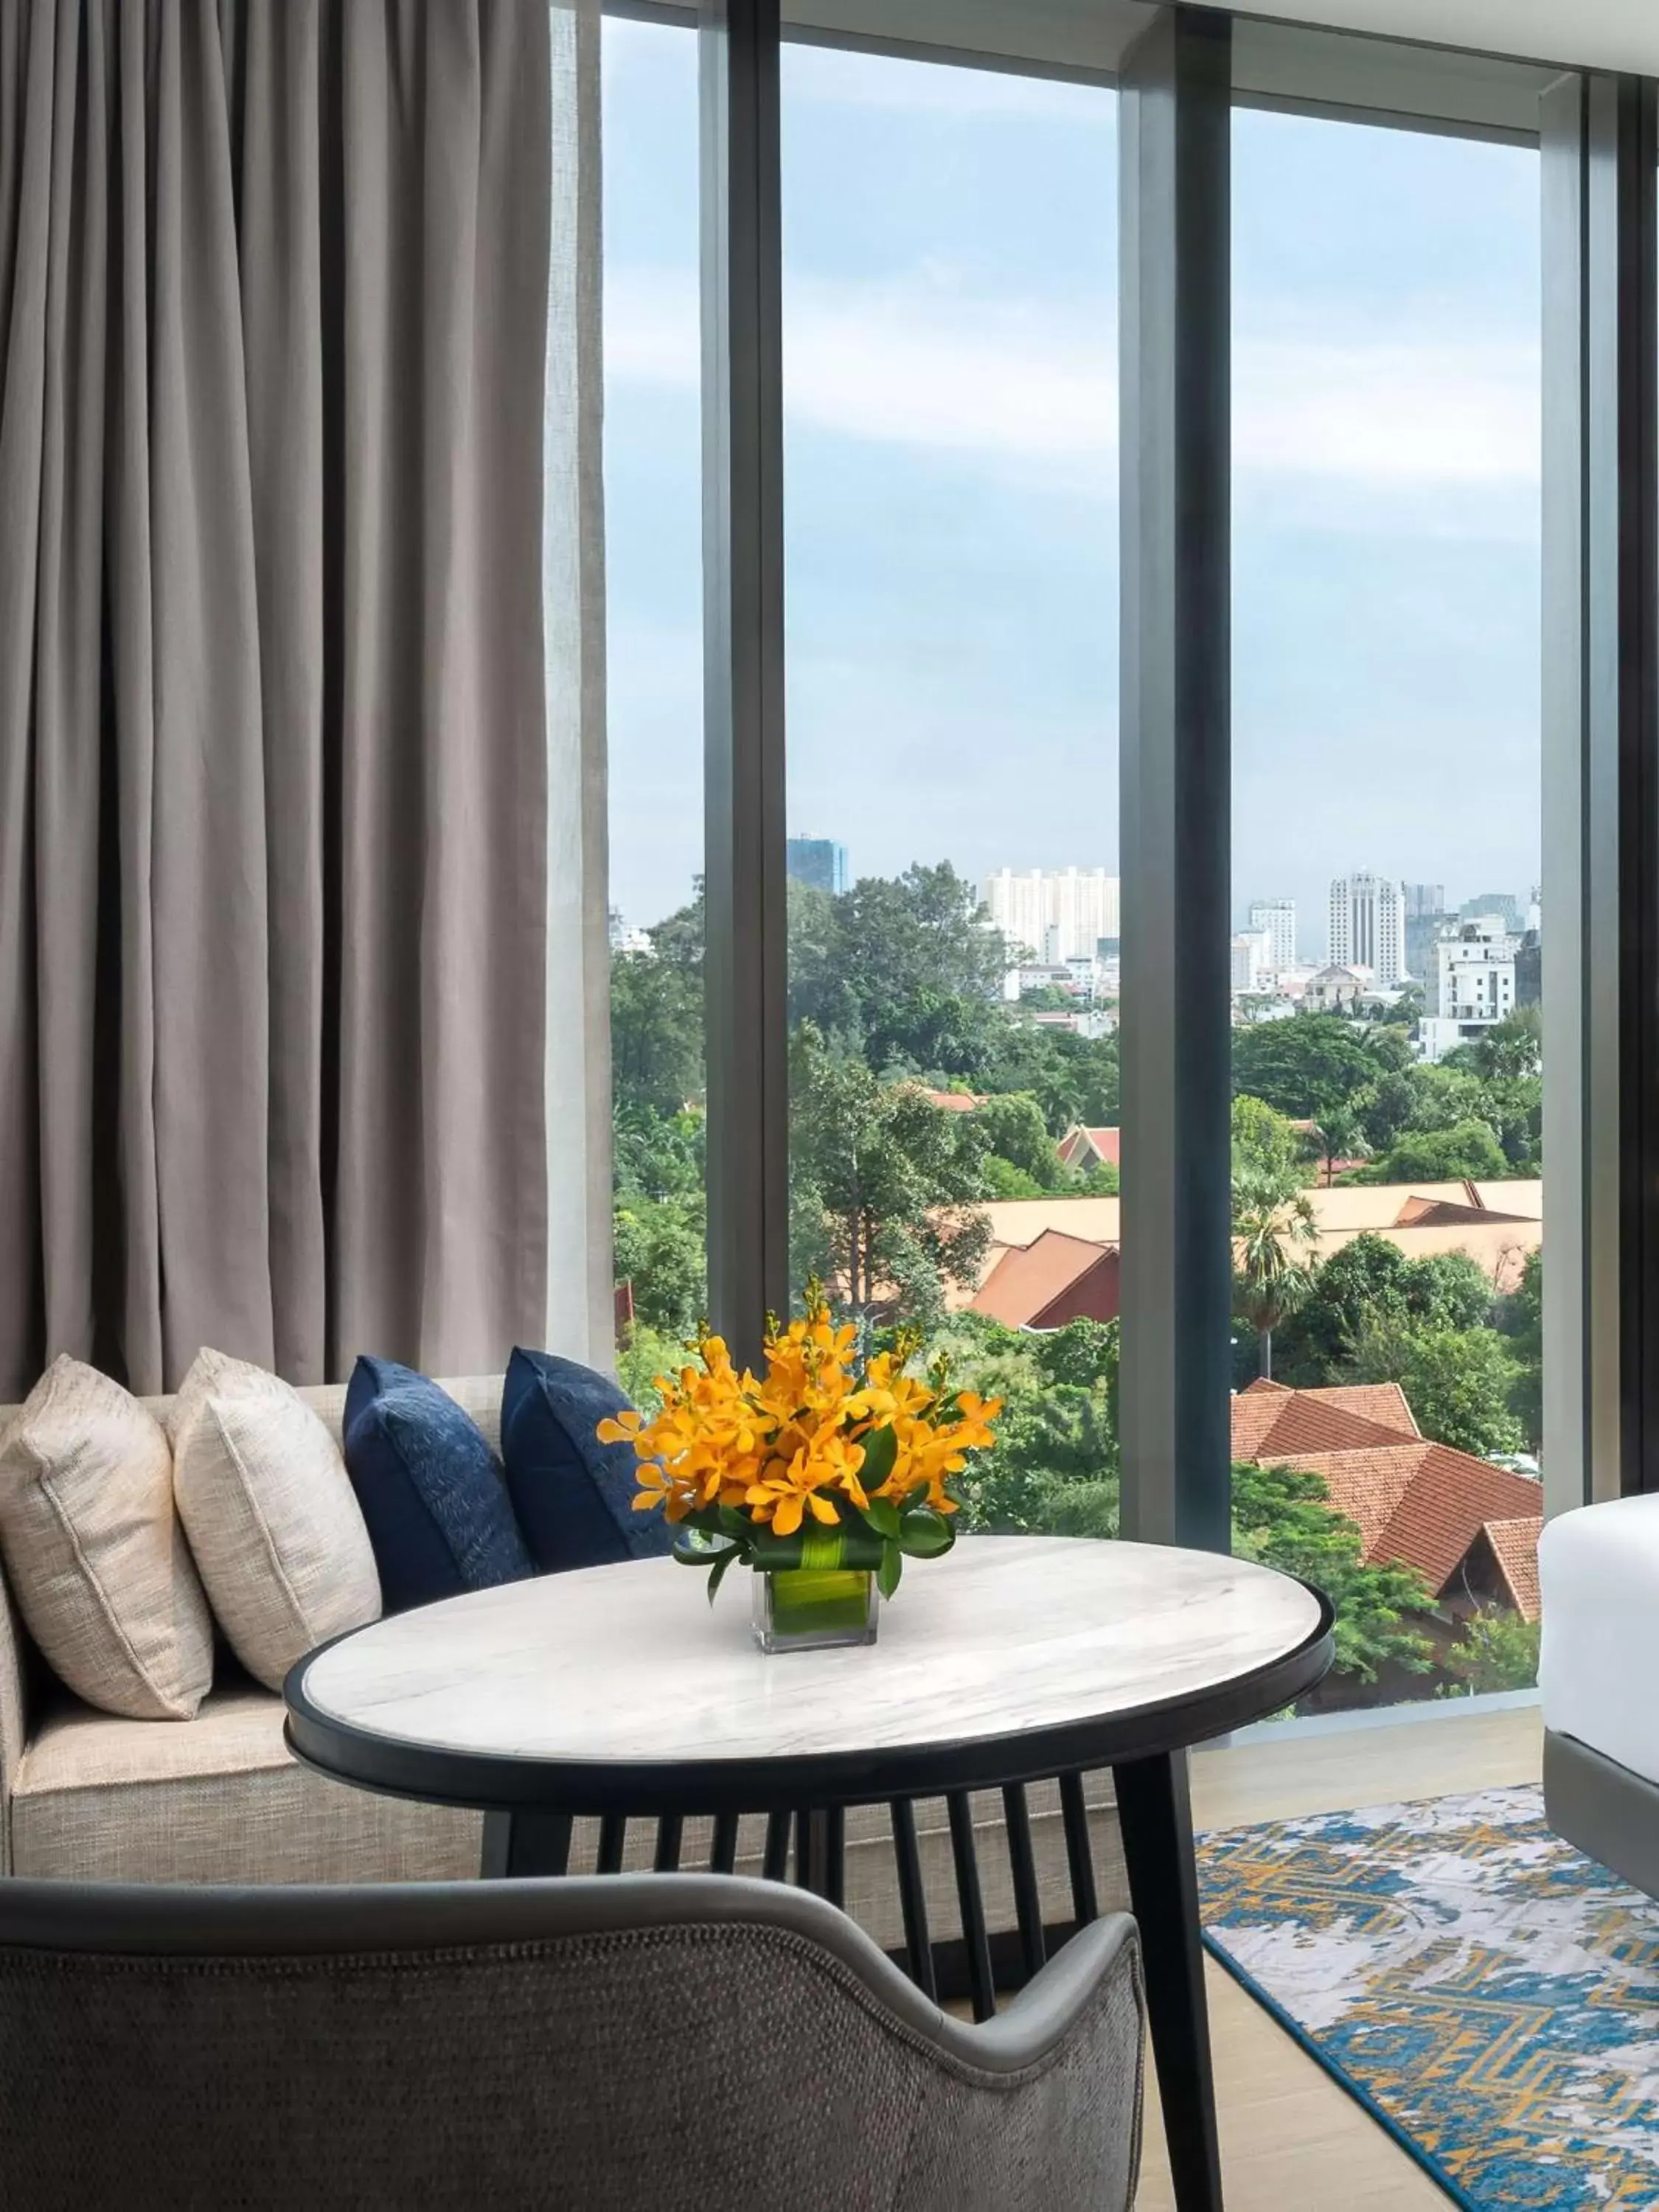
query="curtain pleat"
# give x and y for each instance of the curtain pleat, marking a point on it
(273, 772)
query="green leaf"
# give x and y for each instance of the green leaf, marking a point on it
(892, 1566)
(733, 1523)
(718, 1572)
(924, 1534)
(880, 1451)
(883, 1516)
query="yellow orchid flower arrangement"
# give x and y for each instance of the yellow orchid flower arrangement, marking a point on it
(824, 1461)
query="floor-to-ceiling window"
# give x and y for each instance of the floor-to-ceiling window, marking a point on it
(950, 526)
(653, 570)
(1386, 964)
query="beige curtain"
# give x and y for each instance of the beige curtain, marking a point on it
(273, 767)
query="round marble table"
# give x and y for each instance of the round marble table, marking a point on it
(619, 1691)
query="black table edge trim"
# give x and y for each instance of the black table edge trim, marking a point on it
(512, 1782)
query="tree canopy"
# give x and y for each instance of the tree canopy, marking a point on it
(1370, 1281)
(1460, 1382)
(884, 1187)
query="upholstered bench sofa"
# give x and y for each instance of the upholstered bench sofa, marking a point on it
(86, 1797)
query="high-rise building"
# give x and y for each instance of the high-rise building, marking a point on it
(1424, 899)
(1277, 918)
(1368, 926)
(1423, 934)
(818, 862)
(1055, 915)
(1253, 960)
(1503, 905)
(1478, 984)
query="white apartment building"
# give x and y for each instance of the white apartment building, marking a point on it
(1054, 914)
(1477, 985)
(1252, 960)
(1368, 926)
(1277, 917)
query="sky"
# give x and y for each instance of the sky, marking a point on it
(950, 483)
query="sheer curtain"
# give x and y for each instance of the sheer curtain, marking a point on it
(580, 1307)
(290, 637)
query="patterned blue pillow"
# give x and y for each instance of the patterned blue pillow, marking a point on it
(431, 1488)
(574, 1495)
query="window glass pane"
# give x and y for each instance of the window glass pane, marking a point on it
(950, 355)
(653, 578)
(1387, 1041)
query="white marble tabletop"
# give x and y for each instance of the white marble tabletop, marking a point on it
(631, 1664)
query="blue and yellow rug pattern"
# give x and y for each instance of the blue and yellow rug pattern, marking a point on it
(1491, 1995)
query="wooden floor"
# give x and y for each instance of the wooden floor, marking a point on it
(1291, 2140)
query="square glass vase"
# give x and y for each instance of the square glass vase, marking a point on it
(814, 1609)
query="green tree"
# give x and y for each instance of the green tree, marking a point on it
(1073, 1079)
(1339, 1133)
(1459, 1382)
(659, 1249)
(1498, 1651)
(902, 969)
(1083, 1355)
(1509, 1050)
(1283, 1518)
(1369, 1283)
(1521, 1317)
(1013, 1126)
(1469, 1151)
(1264, 1140)
(1002, 1179)
(644, 1354)
(885, 1185)
(1308, 1065)
(1273, 1235)
(656, 1033)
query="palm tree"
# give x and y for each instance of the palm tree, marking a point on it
(1274, 1232)
(1341, 1136)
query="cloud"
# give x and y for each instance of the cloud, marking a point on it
(828, 76)
(923, 363)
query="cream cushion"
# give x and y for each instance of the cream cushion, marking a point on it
(223, 1800)
(93, 1550)
(271, 1514)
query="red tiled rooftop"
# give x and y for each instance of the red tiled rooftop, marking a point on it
(1273, 1423)
(1413, 1499)
(1028, 1277)
(1443, 1512)
(1366, 1485)
(1515, 1549)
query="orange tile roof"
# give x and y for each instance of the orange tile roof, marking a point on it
(1255, 1412)
(1350, 1418)
(1413, 1500)
(1028, 1277)
(1515, 1549)
(1440, 1516)
(1367, 1485)
(953, 1102)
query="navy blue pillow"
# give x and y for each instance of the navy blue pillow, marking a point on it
(439, 1517)
(574, 1495)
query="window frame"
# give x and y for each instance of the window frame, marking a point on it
(1600, 667)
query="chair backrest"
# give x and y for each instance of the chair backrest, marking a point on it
(610, 2042)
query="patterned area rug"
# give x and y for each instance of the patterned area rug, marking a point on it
(1487, 1992)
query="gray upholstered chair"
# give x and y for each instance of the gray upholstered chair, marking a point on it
(621, 2041)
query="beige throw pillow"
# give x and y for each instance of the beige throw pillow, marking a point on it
(271, 1514)
(93, 1549)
